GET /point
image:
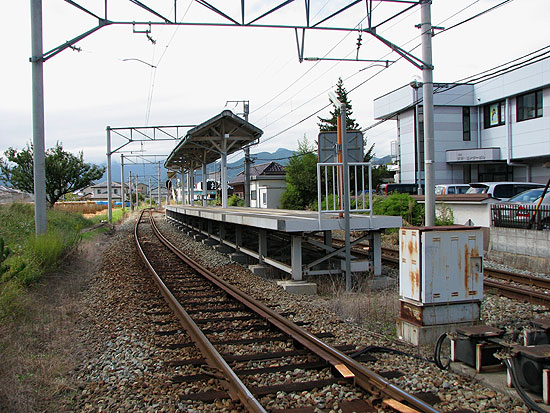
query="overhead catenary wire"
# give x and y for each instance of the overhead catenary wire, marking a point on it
(370, 78)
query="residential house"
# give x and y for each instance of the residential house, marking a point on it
(267, 184)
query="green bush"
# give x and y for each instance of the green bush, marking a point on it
(234, 200)
(402, 205)
(444, 215)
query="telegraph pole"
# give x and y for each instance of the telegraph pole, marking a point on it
(39, 157)
(122, 197)
(246, 162)
(427, 91)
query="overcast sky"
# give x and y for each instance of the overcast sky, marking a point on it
(198, 69)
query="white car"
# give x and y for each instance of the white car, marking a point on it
(502, 191)
(451, 189)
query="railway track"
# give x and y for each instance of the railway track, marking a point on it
(243, 346)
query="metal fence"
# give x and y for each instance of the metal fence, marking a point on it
(521, 216)
(330, 187)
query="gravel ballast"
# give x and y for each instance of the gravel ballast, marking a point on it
(123, 368)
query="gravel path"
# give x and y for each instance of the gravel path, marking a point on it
(123, 368)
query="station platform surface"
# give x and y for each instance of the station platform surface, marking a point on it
(287, 220)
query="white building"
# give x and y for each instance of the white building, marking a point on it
(494, 130)
(267, 184)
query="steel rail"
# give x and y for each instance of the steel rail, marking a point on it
(518, 278)
(518, 293)
(381, 389)
(232, 383)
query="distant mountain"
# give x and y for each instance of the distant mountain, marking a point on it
(144, 172)
(382, 161)
(280, 156)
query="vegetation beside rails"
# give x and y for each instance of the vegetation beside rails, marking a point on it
(26, 258)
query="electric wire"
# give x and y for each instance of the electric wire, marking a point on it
(154, 71)
(474, 16)
(370, 78)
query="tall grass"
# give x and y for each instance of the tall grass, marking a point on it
(30, 256)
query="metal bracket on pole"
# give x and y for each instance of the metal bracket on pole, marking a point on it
(300, 47)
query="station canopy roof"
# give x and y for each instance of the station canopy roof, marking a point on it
(225, 132)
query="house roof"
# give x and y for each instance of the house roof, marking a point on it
(204, 143)
(104, 185)
(263, 169)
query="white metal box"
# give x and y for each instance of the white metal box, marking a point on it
(441, 265)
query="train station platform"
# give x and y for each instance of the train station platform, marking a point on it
(284, 239)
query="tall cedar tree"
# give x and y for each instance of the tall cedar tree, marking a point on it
(330, 124)
(65, 172)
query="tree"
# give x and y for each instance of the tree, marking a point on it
(301, 178)
(65, 172)
(329, 124)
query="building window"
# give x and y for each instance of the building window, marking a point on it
(253, 195)
(466, 129)
(264, 199)
(529, 105)
(494, 114)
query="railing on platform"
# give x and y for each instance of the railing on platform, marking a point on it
(524, 216)
(330, 187)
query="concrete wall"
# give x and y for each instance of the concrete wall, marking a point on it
(522, 248)
(521, 241)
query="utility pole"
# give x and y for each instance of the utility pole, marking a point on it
(427, 91)
(137, 199)
(130, 191)
(122, 195)
(109, 178)
(160, 203)
(346, 197)
(247, 162)
(39, 157)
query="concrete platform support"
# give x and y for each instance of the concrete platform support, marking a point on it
(239, 257)
(238, 237)
(296, 257)
(223, 248)
(298, 287)
(262, 245)
(259, 269)
(327, 235)
(376, 245)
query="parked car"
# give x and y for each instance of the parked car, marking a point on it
(386, 189)
(448, 189)
(519, 211)
(502, 191)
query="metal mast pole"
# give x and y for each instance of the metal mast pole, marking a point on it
(204, 184)
(346, 194)
(39, 157)
(109, 178)
(427, 91)
(150, 194)
(130, 191)
(122, 195)
(246, 163)
(137, 199)
(160, 203)
(346, 197)
(223, 172)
